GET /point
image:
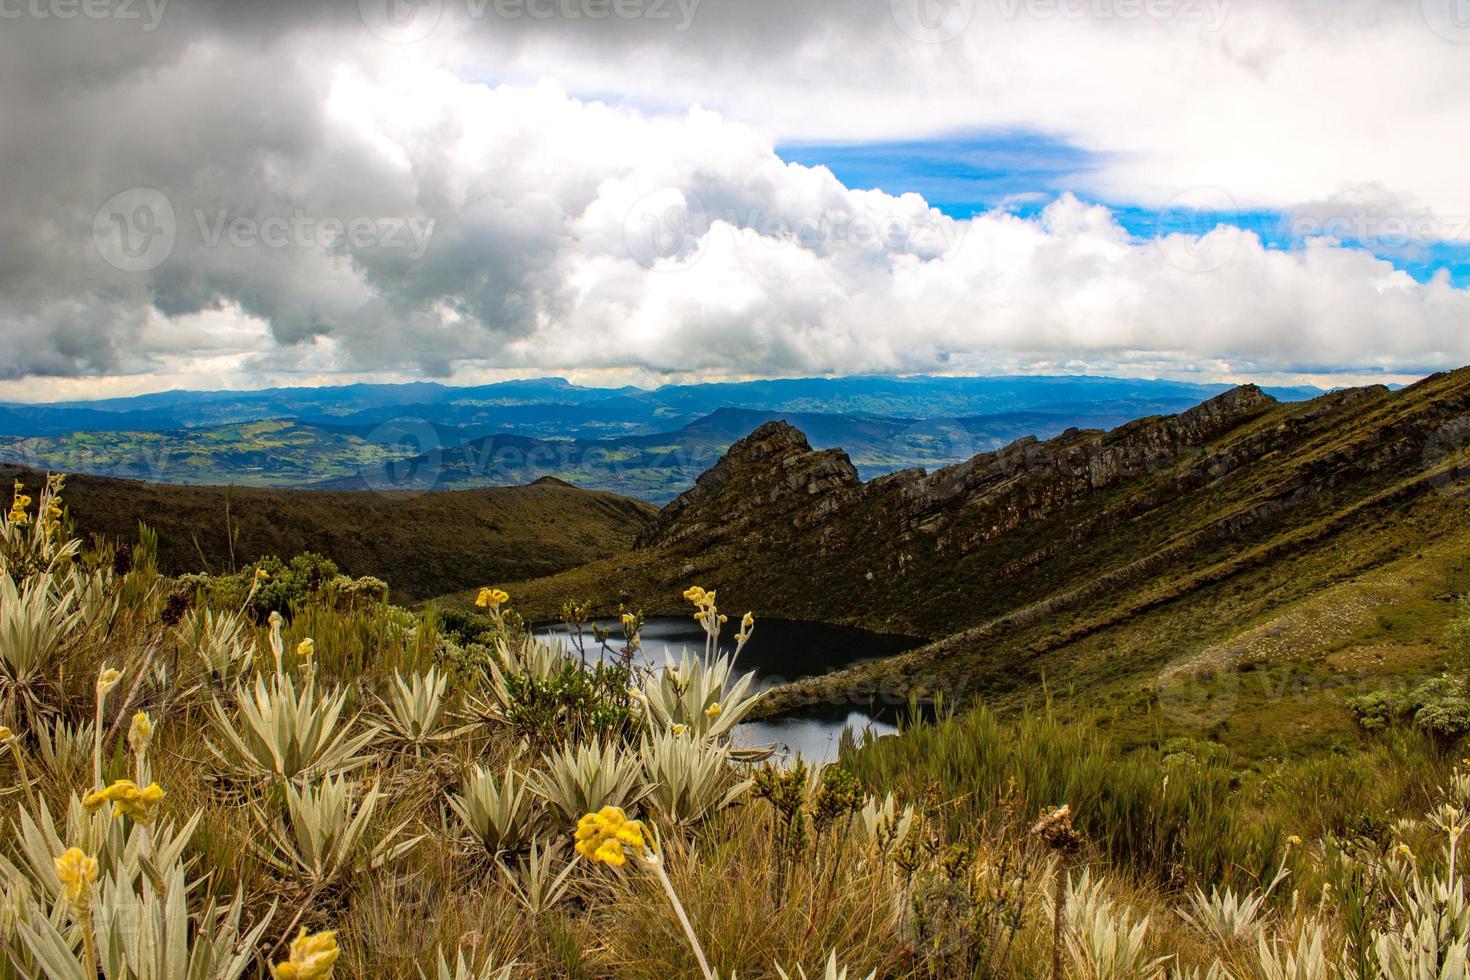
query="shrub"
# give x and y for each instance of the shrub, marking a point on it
(1438, 707)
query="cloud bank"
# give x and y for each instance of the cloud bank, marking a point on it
(272, 192)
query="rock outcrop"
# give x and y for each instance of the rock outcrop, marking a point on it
(1056, 536)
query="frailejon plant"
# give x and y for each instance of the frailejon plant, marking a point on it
(1104, 940)
(280, 731)
(831, 970)
(584, 778)
(122, 885)
(534, 878)
(131, 933)
(37, 621)
(326, 833)
(413, 713)
(699, 695)
(462, 970)
(1429, 935)
(36, 543)
(219, 643)
(687, 777)
(501, 813)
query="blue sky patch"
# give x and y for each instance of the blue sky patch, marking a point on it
(1025, 171)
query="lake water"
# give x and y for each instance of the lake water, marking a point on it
(782, 650)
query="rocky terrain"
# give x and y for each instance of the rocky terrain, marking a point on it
(1047, 558)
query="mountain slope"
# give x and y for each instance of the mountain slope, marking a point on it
(423, 545)
(1154, 540)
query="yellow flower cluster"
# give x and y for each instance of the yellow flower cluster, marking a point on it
(78, 873)
(306, 649)
(312, 957)
(492, 598)
(140, 733)
(747, 627)
(601, 836)
(107, 679)
(706, 614)
(51, 518)
(128, 800)
(18, 505)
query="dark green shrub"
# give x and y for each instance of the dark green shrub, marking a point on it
(1438, 707)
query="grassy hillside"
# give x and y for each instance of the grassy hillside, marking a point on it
(270, 453)
(423, 544)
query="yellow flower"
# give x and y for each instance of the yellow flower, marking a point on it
(1294, 840)
(601, 836)
(628, 621)
(128, 800)
(1406, 851)
(107, 680)
(261, 575)
(698, 596)
(713, 710)
(492, 598)
(312, 957)
(306, 649)
(78, 873)
(140, 732)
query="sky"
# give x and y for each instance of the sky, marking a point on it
(232, 194)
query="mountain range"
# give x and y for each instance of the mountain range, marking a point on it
(647, 444)
(1268, 552)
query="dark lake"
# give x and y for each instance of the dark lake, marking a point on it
(782, 650)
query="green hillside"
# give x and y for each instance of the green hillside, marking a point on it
(423, 544)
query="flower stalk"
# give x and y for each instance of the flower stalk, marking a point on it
(107, 679)
(602, 837)
(78, 873)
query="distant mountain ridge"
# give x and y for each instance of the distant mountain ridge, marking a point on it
(648, 444)
(584, 411)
